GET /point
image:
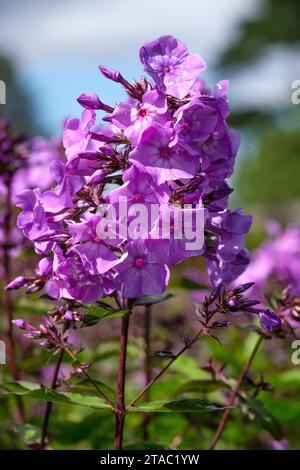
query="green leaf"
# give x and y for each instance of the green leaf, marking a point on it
(94, 315)
(178, 406)
(30, 434)
(257, 410)
(147, 300)
(19, 387)
(201, 386)
(89, 320)
(45, 394)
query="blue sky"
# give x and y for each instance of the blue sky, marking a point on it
(56, 47)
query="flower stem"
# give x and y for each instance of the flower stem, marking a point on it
(147, 365)
(49, 405)
(234, 393)
(120, 411)
(176, 356)
(91, 380)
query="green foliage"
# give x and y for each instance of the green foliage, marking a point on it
(184, 405)
(272, 176)
(275, 23)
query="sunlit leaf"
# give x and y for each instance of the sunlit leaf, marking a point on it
(45, 394)
(183, 405)
(95, 315)
(147, 300)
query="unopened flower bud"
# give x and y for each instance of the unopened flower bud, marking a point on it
(16, 283)
(269, 320)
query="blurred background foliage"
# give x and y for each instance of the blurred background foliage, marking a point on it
(267, 177)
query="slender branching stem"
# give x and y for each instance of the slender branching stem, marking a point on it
(49, 405)
(91, 380)
(120, 411)
(176, 356)
(234, 393)
(147, 365)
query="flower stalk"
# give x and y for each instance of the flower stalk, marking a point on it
(120, 411)
(234, 393)
(49, 405)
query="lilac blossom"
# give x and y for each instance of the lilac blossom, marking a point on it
(170, 65)
(163, 161)
(168, 145)
(143, 268)
(135, 119)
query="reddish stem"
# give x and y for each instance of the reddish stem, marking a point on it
(120, 411)
(162, 371)
(233, 395)
(49, 405)
(147, 365)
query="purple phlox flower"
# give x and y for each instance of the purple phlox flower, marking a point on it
(73, 280)
(170, 65)
(232, 227)
(34, 221)
(224, 272)
(269, 320)
(195, 122)
(93, 251)
(134, 119)
(218, 153)
(184, 228)
(77, 133)
(162, 160)
(143, 268)
(138, 197)
(67, 186)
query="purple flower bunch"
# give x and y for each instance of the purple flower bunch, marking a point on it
(167, 146)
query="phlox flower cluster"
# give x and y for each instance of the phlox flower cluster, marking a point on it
(167, 144)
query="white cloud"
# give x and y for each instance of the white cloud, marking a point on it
(74, 29)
